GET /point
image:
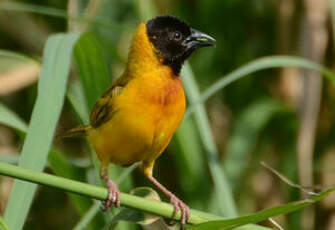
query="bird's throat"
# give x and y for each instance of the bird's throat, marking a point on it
(143, 56)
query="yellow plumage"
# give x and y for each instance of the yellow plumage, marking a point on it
(135, 119)
(146, 109)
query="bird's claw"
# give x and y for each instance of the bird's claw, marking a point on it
(113, 198)
(179, 205)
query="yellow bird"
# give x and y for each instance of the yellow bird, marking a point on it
(135, 119)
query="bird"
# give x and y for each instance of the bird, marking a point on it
(136, 117)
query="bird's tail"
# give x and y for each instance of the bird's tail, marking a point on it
(79, 131)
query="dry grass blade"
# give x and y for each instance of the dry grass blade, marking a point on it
(288, 181)
(275, 224)
(18, 78)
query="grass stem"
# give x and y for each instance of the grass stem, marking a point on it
(99, 193)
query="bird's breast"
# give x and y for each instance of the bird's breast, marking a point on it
(147, 113)
(154, 96)
(155, 107)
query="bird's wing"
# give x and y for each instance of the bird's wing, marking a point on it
(103, 110)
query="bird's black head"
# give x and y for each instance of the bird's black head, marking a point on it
(175, 40)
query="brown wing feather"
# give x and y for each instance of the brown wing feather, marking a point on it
(103, 109)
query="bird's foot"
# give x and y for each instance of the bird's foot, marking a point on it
(113, 198)
(180, 205)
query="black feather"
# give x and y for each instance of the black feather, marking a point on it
(160, 31)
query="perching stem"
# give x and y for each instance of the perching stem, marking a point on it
(100, 193)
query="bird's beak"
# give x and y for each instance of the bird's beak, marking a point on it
(198, 39)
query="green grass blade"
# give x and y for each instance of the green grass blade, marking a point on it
(76, 96)
(92, 68)
(11, 119)
(222, 190)
(260, 64)
(54, 12)
(146, 9)
(87, 218)
(192, 165)
(12, 158)
(51, 91)
(245, 135)
(266, 63)
(3, 225)
(15, 6)
(262, 215)
(57, 163)
(11, 54)
(61, 167)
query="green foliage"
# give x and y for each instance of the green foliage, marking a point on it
(257, 65)
(100, 193)
(91, 67)
(9, 118)
(207, 221)
(3, 225)
(58, 163)
(132, 215)
(222, 195)
(76, 96)
(260, 216)
(51, 91)
(245, 134)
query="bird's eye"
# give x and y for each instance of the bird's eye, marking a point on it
(176, 35)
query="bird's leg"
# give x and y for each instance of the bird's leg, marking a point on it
(113, 198)
(175, 201)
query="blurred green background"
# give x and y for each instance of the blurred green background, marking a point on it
(284, 116)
